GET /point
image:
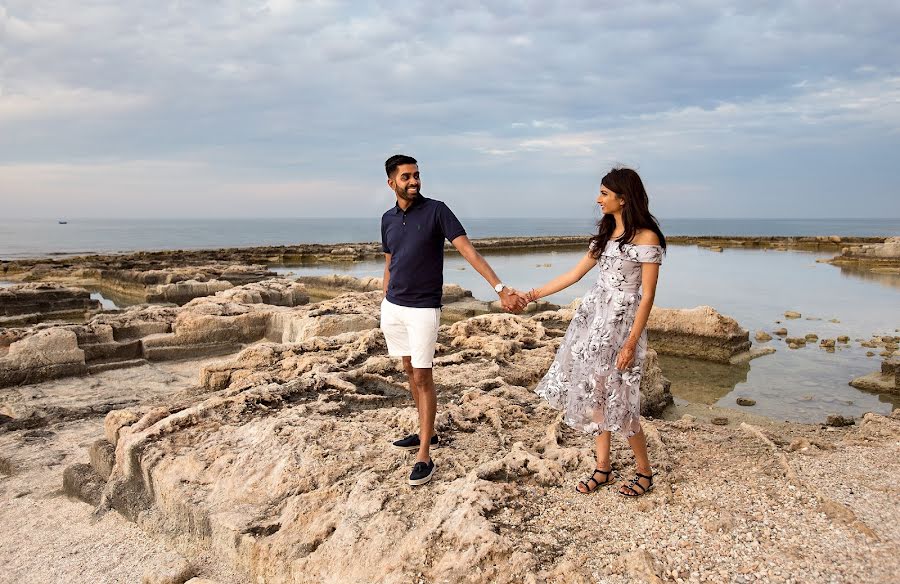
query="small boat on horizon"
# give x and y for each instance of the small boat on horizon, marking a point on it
(61, 222)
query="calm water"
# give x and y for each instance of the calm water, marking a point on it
(755, 287)
(34, 238)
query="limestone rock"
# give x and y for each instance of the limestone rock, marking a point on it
(872, 256)
(32, 303)
(700, 333)
(763, 336)
(176, 574)
(885, 381)
(792, 314)
(44, 355)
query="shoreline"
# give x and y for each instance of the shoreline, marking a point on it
(361, 251)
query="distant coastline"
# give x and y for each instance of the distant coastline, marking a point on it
(21, 239)
(350, 251)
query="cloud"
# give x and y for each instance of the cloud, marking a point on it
(289, 92)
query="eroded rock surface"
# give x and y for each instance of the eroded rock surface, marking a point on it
(699, 333)
(135, 279)
(276, 465)
(279, 465)
(215, 325)
(298, 433)
(24, 304)
(885, 381)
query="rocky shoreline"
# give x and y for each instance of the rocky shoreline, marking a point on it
(235, 427)
(179, 276)
(271, 462)
(328, 253)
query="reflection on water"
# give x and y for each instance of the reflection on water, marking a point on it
(886, 278)
(702, 382)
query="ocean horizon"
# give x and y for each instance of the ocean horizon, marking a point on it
(25, 238)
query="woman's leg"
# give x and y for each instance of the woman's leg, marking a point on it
(638, 443)
(602, 445)
(604, 476)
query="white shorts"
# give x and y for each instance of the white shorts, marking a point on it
(410, 332)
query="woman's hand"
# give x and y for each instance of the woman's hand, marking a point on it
(626, 355)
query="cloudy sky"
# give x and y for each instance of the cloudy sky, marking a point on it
(154, 108)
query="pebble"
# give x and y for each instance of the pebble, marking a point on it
(836, 421)
(719, 420)
(745, 401)
(792, 314)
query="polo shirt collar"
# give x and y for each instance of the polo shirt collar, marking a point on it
(416, 202)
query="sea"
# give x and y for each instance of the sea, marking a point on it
(26, 238)
(753, 286)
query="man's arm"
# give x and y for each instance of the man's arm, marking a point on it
(510, 299)
(387, 273)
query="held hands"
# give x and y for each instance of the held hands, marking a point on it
(513, 300)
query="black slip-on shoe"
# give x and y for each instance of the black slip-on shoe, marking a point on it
(411, 442)
(421, 473)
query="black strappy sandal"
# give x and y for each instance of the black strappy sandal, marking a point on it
(597, 484)
(636, 484)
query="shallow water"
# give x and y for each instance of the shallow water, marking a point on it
(755, 287)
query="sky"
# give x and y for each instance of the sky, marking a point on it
(286, 108)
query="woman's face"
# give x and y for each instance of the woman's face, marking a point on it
(609, 201)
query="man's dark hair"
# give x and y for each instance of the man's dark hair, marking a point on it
(391, 164)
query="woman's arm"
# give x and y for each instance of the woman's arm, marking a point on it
(564, 281)
(649, 277)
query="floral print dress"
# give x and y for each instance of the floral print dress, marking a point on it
(583, 380)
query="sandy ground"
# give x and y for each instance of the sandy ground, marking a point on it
(48, 537)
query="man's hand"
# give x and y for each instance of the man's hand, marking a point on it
(513, 300)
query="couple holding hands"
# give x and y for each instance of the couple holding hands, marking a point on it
(595, 377)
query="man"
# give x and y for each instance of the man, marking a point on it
(412, 238)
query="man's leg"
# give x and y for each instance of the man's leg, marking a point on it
(410, 376)
(427, 406)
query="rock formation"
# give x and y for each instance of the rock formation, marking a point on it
(277, 463)
(205, 326)
(885, 381)
(134, 281)
(699, 333)
(877, 257)
(25, 304)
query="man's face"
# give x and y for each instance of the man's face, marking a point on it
(406, 181)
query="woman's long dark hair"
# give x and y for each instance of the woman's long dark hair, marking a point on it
(635, 211)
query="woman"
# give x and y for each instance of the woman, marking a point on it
(596, 375)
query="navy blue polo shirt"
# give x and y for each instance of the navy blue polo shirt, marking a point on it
(415, 240)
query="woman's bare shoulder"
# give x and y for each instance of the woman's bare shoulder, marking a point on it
(645, 237)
